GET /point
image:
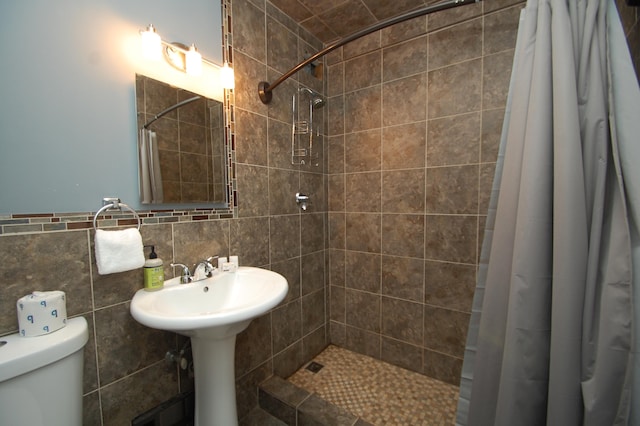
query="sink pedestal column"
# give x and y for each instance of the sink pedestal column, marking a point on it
(213, 363)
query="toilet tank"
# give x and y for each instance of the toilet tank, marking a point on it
(41, 377)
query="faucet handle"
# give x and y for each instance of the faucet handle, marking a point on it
(185, 277)
(204, 269)
(210, 267)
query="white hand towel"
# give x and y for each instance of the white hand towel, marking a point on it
(118, 251)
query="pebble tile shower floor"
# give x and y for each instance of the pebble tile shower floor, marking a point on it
(380, 393)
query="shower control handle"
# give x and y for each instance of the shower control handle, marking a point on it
(302, 200)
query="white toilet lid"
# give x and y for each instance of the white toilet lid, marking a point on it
(19, 355)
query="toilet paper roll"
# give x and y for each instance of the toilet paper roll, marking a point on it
(41, 312)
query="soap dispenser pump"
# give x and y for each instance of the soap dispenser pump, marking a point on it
(153, 272)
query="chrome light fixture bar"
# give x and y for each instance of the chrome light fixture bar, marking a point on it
(183, 58)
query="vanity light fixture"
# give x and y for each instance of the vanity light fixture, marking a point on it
(193, 61)
(227, 77)
(151, 43)
(181, 57)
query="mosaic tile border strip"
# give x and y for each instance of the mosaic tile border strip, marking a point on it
(229, 109)
(50, 222)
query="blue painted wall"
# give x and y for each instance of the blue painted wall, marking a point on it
(67, 100)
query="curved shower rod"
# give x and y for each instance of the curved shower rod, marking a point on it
(168, 110)
(265, 88)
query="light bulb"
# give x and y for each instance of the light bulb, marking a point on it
(193, 61)
(227, 77)
(151, 44)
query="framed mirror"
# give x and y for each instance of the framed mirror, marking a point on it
(182, 146)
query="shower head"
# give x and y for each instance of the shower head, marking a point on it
(317, 101)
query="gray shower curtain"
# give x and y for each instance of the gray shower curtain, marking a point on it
(553, 337)
(151, 188)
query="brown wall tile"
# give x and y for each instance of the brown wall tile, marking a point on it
(363, 232)
(362, 271)
(313, 272)
(401, 354)
(117, 357)
(403, 277)
(404, 146)
(445, 330)
(405, 59)
(449, 285)
(451, 238)
(362, 341)
(124, 399)
(363, 71)
(67, 270)
(452, 190)
(363, 310)
(403, 235)
(454, 140)
(362, 192)
(284, 237)
(290, 269)
(455, 44)
(455, 89)
(251, 138)
(249, 33)
(287, 326)
(362, 151)
(502, 29)
(313, 313)
(253, 346)
(289, 360)
(402, 320)
(403, 191)
(495, 79)
(404, 100)
(253, 190)
(337, 304)
(249, 240)
(362, 109)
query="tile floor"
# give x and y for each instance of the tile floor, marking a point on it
(380, 393)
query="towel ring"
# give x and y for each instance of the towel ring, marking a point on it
(114, 204)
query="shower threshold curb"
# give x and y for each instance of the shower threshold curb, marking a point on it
(296, 406)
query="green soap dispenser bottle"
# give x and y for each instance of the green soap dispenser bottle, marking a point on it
(153, 272)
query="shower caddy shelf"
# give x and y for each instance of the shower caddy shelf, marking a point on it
(303, 133)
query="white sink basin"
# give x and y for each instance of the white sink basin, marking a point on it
(212, 312)
(211, 305)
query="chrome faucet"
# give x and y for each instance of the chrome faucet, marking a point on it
(185, 277)
(203, 269)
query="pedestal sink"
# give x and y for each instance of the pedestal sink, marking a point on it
(212, 312)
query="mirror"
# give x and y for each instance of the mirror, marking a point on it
(181, 145)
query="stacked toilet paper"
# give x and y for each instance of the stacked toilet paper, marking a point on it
(41, 312)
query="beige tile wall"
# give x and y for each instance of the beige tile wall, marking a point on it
(414, 126)
(415, 114)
